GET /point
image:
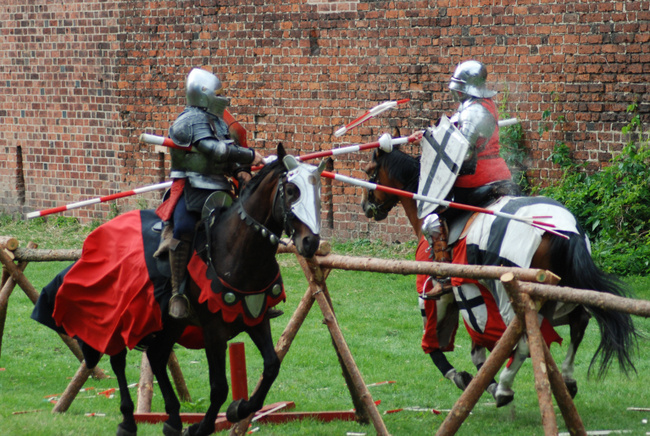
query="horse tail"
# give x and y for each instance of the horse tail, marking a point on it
(618, 337)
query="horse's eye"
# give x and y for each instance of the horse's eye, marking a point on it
(293, 193)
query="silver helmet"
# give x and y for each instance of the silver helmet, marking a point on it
(469, 78)
(202, 90)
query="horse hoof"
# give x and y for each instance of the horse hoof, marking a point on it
(168, 430)
(232, 414)
(463, 379)
(492, 389)
(121, 431)
(504, 400)
(191, 430)
(572, 387)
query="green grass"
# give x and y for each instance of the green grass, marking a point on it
(381, 323)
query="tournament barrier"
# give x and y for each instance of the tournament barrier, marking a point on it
(527, 288)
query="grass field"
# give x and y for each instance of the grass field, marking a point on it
(381, 323)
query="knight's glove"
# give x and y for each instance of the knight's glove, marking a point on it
(225, 151)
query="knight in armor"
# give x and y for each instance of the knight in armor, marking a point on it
(484, 176)
(207, 160)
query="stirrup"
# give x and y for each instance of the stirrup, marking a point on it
(440, 287)
(179, 306)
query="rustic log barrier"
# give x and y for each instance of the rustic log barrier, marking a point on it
(526, 288)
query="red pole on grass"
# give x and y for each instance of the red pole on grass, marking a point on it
(238, 378)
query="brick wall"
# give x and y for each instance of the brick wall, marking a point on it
(80, 80)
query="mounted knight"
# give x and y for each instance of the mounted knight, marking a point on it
(209, 156)
(460, 159)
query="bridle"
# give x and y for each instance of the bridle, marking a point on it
(379, 209)
(279, 212)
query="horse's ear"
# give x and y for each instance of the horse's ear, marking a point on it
(290, 162)
(281, 152)
(322, 165)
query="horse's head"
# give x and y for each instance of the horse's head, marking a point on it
(396, 170)
(301, 204)
(284, 196)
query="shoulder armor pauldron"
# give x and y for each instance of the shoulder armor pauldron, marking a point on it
(195, 124)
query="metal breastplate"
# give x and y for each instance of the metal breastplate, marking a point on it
(476, 123)
(193, 125)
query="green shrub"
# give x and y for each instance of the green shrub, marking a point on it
(511, 139)
(611, 204)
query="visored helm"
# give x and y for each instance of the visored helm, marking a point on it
(202, 90)
(469, 78)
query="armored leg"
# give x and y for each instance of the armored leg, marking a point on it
(179, 254)
(435, 231)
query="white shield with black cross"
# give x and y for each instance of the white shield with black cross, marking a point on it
(443, 151)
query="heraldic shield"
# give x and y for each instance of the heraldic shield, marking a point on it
(443, 151)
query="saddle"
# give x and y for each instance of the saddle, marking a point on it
(216, 200)
(214, 204)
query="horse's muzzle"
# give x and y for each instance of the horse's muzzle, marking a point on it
(308, 245)
(372, 211)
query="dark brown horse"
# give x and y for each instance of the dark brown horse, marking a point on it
(234, 278)
(569, 258)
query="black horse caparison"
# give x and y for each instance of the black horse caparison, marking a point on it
(569, 258)
(240, 253)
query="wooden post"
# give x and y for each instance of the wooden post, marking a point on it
(564, 401)
(73, 388)
(7, 288)
(145, 386)
(177, 377)
(348, 360)
(18, 276)
(527, 311)
(9, 242)
(470, 396)
(316, 274)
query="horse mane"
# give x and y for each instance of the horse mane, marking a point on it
(276, 167)
(402, 167)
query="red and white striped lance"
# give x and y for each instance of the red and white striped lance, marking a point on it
(104, 199)
(533, 221)
(148, 138)
(385, 143)
(373, 112)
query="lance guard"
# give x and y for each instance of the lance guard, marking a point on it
(179, 256)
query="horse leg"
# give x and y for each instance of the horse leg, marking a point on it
(158, 354)
(91, 356)
(216, 344)
(440, 319)
(578, 321)
(479, 356)
(128, 426)
(504, 393)
(261, 336)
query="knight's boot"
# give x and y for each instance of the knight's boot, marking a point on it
(179, 253)
(436, 232)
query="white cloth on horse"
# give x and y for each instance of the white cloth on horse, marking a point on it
(493, 240)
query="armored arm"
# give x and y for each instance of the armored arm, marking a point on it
(225, 151)
(477, 125)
